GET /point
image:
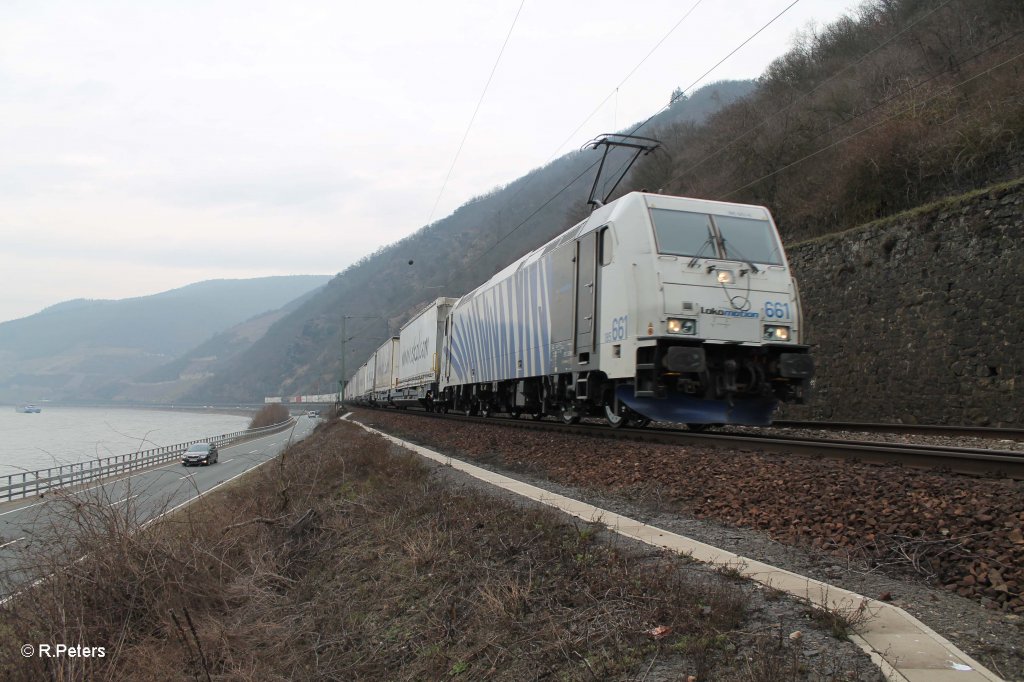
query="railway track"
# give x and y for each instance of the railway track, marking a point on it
(973, 461)
(989, 432)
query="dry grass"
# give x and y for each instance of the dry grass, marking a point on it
(347, 560)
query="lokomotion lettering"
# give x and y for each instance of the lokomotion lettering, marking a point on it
(729, 313)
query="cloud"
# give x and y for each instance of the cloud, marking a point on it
(283, 189)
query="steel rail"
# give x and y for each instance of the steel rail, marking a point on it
(991, 432)
(972, 461)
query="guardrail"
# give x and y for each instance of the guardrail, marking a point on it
(20, 486)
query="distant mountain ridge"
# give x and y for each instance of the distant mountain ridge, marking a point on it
(79, 349)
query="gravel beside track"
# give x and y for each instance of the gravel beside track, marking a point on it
(946, 547)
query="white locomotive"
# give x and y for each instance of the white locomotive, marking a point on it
(654, 307)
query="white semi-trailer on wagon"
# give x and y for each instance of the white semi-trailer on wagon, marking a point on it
(420, 355)
(385, 371)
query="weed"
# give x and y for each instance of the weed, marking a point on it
(841, 620)
(732, 570)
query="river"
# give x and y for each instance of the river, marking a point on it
(64, 435)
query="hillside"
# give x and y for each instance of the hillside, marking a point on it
(901, 103)
(80, 350)
(300, 353)
(168, 383)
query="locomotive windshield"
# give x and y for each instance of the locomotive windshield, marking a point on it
(684, 233)
(681, 233)
(748, 240)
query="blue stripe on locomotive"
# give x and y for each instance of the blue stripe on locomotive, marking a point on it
(502, 323)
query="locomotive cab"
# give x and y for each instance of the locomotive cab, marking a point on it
(718, 320)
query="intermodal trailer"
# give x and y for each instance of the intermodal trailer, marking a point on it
(420, 342)
(385, 371)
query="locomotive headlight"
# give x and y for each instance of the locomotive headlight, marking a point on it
(724, 276)
(676, 326)
(776, 332)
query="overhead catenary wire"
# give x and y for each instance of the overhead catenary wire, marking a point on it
(707, 73)
(876, 123)
(632, 71)
(682, 93)
(639, 126)
(476, 110)
(610, 95)
(679, 174)
(953, 67)
(949, 69)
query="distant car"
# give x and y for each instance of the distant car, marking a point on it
(200, 453)
(313, 413)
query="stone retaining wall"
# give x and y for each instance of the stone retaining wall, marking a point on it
(919, 318)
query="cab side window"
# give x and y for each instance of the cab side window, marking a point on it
(605, 245)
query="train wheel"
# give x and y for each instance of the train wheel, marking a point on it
(616, 421)
(485, 410)
(515, 412)
(569, 415)
(537, 416)
(642, 422)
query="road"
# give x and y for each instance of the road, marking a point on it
(153, 492)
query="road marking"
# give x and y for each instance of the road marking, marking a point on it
(170, 463)
(112, 479)
(114, 504)
(193, 499)
(8, 544)
(229, 460)
(252, 452)
(27, 506)
(128, 474)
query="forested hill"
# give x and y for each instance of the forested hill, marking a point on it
(898, 104)
(301, 352)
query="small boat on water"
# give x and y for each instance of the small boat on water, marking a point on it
(30, 409)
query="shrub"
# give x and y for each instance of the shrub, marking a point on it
(269, 415)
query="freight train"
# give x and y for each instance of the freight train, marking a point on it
(655, 307)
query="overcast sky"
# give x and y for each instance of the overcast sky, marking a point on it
(145, 145)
